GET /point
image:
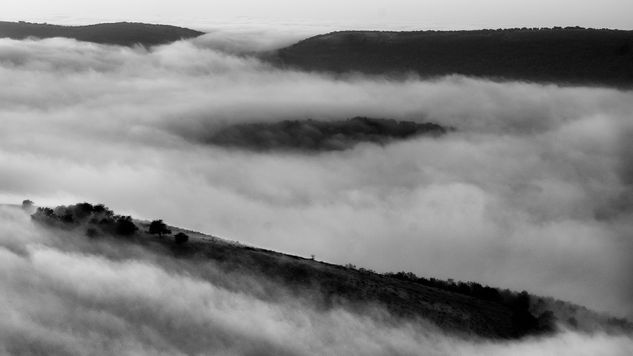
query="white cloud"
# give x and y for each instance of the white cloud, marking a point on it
(532, 192)
(64, 294)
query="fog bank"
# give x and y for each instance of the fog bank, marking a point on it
(533, 190)
(66, 294)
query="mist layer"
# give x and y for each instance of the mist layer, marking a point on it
(533, 190)
(68, 295)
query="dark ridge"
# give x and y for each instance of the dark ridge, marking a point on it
(120, 33)
(568, 56)
(462, 308)
(316, 135)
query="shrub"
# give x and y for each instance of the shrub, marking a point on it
(181, 238)
(27, 204)
(158, 227)
(125, 226)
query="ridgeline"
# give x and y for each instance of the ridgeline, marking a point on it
(567, 56)
(120, 33)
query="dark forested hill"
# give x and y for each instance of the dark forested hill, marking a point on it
(559, 55)
(121, 33)
(316, 135)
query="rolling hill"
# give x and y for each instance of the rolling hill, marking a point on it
(455, 307)
(572, 56)
(120, 33)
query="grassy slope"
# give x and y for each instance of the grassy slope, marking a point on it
(121, 33)
(566, 56)
(329, 285)
(351, 286)
(338, 284)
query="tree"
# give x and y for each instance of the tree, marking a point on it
(102, 210)
(82, 211)
(67, 218)
(158, 227)
(45, 212)
(181, 238)
(27, 204)
(125, 226)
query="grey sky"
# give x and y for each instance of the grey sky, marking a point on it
(396, 14)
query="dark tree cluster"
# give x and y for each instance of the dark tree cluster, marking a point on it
(125, 226)
(520, 303)
(27, 204)
(316, 135)
(158, 227)
(98, 220)
(94, 217)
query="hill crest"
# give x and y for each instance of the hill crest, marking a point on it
(118, 33)
(570, 56)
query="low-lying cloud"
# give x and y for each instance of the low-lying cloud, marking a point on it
(533, 190)
(68, 295)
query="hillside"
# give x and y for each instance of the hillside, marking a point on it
(121, 33)
(455, 307)
(558, 55)
(317, 135)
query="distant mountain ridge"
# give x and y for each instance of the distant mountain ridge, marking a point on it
(119, 33)
(570, 55)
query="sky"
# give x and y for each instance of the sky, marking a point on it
(331, 14)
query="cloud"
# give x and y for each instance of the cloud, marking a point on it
(247, 39)
(68, 295)
(533, 190)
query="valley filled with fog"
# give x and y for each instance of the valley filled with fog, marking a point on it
(533, 190)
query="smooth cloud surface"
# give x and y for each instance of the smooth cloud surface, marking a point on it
(532, 192)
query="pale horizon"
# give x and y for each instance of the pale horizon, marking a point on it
(324, 15)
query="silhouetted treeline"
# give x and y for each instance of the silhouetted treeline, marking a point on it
(570, 55)
(121, 33)
(316, 135)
